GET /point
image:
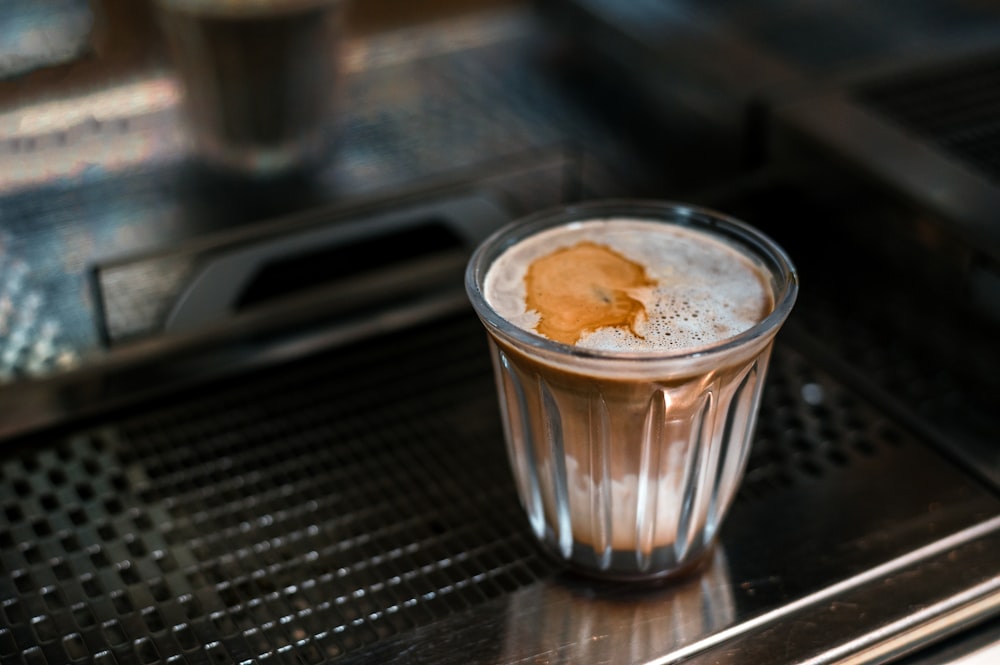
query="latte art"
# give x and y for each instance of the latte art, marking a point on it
(628, 285)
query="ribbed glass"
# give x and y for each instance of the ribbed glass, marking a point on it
(627, 463)
(623, 505)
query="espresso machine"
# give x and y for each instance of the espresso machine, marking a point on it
(247, 414)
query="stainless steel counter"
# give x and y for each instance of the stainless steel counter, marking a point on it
(317, 474)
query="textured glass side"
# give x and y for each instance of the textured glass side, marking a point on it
(627, 478)
(519, 438)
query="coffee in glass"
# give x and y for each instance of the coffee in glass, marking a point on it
(630, 342)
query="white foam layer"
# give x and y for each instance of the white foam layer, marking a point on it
(706, 290)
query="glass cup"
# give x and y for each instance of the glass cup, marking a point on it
(261, 80)
(627, 462)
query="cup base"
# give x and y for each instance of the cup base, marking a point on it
(623, 566)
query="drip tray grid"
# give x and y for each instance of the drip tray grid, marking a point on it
(306, 512)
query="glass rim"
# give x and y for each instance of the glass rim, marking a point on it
(752, 241)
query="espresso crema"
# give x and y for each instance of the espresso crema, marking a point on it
(628, 285)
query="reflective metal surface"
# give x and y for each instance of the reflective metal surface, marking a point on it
(925, 135)
(562, 621)
(764, 54)
(308, 480)
(354, 505)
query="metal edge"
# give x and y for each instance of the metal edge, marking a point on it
(823, 628)
(912, 168)
(148, 370)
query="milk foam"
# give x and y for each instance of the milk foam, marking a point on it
(705, 291)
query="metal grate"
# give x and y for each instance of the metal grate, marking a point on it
(810, 425)
(293, 514)
(310, 511)
(956, 108)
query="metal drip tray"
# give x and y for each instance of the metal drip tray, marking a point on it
(314, 484)
(356, 506)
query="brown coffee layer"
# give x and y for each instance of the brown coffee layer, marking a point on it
(582, 288)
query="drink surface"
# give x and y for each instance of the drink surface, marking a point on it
(628, 285)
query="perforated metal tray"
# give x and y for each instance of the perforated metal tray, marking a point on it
(357, 505)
